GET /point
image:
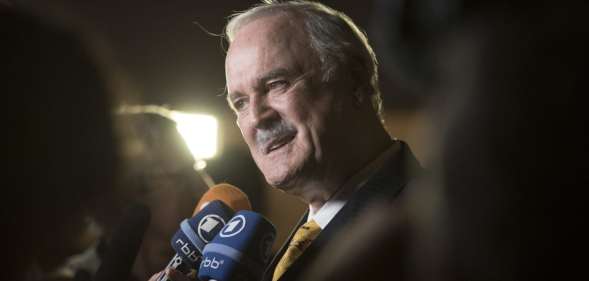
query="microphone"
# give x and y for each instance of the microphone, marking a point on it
(190, 240)
(124, 245)
(213, 210)
(240, 251)
(229, 194)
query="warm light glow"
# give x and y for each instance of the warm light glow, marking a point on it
(199, 132)
(200, 165)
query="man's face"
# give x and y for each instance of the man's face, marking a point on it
(290, 119)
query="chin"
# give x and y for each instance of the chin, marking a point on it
(279, 182)
(286, 173)
(278, 177)
(288, 182)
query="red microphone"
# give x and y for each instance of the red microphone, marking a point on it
(229, 194)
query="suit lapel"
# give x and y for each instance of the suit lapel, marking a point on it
(383, 186)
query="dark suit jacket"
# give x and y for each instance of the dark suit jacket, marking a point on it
(384, 186)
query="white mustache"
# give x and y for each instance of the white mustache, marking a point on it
(277, 129)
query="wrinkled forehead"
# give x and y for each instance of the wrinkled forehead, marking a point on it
(268, 41)
(281, 29)
(272, 18)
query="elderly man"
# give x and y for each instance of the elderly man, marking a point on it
(302, 80)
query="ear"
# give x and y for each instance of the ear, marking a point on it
(360, 88)
(359, 95)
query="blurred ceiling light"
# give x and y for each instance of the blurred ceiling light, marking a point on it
(199, 131)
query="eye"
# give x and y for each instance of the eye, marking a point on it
(277, 84)
(239, 104)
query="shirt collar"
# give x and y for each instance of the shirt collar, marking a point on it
(328, 211)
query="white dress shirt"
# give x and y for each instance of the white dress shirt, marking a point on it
(328, 211)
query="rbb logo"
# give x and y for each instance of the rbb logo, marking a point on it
(214, 264)
(185, 248)
(207, 225)
(233, 227)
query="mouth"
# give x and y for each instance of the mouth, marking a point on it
(277, 143)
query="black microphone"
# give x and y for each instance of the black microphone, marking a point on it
(124, 245)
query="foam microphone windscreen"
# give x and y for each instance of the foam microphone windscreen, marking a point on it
(240, 251)
(229, 194)
(124, 245)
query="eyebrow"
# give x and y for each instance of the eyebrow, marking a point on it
(263, 79)
(273, 74)
(231, 96)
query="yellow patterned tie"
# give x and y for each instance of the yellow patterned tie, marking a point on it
(300, 241)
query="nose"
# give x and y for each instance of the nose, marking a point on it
(262, 113)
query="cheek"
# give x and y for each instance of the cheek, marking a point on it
(245, 131)
(311, 105)
(314, 117)
(297, 109)
(249, 136)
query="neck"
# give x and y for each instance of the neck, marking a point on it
(365, 148)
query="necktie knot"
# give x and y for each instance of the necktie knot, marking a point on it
(300, 241)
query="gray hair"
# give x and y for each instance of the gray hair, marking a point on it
(333, 35)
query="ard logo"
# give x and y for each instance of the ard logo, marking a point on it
(233, 227)
(209, 226)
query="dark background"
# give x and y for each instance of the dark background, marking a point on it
(171, 53)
